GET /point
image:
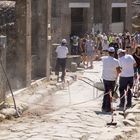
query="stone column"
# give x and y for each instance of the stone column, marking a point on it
(34, 48)
(90, 16)
(42, 27)
(2, 69)
(106, 15)
(128, 16)
(34, 27)
(65, 19)
(23, 24)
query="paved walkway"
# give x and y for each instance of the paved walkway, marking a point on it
(72, 113)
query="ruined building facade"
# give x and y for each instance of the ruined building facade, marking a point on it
(28, 57)
(81, 16)
(37, 28)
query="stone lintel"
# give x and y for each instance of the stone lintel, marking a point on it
(79, 5)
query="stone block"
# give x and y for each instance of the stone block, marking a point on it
(2, 117)
(71, 59)
(73, 67)
(22, 107)
(129, 123)
(131, 117)
(8, 112)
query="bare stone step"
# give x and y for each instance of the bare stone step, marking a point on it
(2, 117)
(8, 112)
(131, 117)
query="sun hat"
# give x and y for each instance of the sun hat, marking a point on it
(111, 49)
(121, 50)
(64, 41)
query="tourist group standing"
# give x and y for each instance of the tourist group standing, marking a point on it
(120, 54)
(122, 63)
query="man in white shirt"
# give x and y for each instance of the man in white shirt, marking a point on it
(75, 45)
(110, 73)
(62, 52)
(127, 64)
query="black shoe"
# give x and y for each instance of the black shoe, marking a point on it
(120, 106)
(128, 106)
(106, 110)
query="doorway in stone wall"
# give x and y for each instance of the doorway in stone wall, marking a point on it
(77, 21)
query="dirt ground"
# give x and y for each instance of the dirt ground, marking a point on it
(135, 136)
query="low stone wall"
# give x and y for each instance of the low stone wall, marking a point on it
(71, 60)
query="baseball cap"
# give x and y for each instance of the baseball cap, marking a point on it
(64, 41)
(111, 49)
(120, 50)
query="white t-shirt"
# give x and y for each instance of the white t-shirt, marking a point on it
(62, 51)
(127, 64)
(109, 68)
(105, 46)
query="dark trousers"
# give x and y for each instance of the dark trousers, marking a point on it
(124, 82)
(74, 50)
(60, 64)
(108, 85)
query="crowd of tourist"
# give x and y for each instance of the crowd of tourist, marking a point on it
(120, 54)
(92, 46)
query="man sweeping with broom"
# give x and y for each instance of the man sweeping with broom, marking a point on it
(110, 72)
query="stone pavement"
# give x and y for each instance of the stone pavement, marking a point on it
(27, 97)
(77, 115)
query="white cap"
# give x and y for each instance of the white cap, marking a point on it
(120, 50)
(120, 34)
(64, 41)
(111, 49)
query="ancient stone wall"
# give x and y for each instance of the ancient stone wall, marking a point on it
(22, 63)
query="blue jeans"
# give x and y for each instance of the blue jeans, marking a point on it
(108, 85)
(124, 82)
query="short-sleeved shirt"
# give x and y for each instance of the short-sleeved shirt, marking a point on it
(127, 64)
(109, 68)
(62, 51)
